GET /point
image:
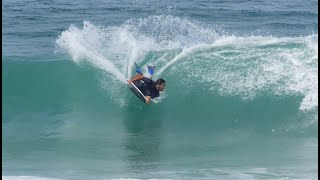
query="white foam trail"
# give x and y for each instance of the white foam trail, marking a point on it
(236, 42)
(247, 67)
(114, 49)
(183, 54)
(130, 45)
(84, 44)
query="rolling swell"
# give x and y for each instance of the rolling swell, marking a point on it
(195, 97)
(220, 84)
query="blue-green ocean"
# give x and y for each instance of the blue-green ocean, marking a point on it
(241, 97)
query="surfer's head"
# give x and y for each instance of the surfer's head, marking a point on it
(160, 84)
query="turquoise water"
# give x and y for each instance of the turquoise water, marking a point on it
(241, 99)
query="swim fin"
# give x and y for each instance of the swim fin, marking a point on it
(151, 69)
(138, 70)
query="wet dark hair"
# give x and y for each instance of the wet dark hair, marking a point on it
(160, 81)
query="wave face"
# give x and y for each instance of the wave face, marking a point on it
(235, 106)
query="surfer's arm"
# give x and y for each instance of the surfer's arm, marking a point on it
(136, 77)
(148, 99)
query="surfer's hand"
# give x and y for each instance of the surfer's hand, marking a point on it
(129, 81)
(148, 98)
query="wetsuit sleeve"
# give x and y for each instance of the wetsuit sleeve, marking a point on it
(147, 81)
(154, 94)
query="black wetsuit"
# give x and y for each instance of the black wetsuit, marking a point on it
(147, 87)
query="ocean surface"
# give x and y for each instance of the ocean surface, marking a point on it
(241, 97)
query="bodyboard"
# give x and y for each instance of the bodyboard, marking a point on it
(137, 92)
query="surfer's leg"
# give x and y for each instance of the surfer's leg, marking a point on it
(136, 77)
